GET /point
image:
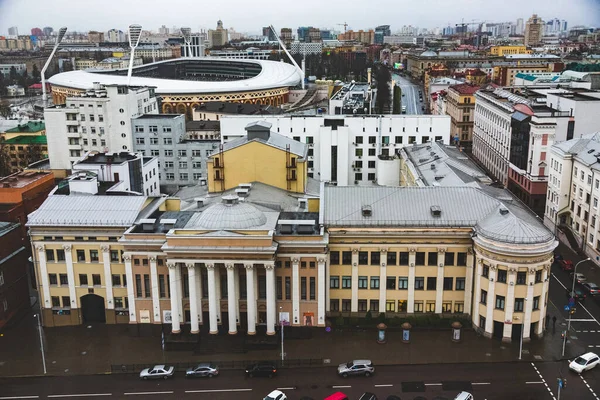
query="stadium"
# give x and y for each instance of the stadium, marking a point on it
(184, 83)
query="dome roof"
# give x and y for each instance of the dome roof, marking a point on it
(231, 214)
(429, 53)
(504, 226)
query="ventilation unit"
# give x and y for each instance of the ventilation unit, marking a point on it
(436, 211)
(367, 211)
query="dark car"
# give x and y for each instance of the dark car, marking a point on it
(368, 396)
(557, 257)
(566, 265)
(577, 294)
(261, 369)
(591, 288)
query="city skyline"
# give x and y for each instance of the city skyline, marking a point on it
(67, 13)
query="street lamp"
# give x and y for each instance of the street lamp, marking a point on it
(187, 37)
(41, 341)
(281, 324)
(135, 32)
(59, 38)
(571, 294)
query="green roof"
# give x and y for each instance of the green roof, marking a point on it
(38, 139)
(29, 127)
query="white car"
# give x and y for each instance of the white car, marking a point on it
(276, 395)
(579, 278)
(584, 362)
(157, 372)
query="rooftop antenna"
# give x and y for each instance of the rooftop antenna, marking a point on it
(187, 38)
(59, 38)
(135, 32)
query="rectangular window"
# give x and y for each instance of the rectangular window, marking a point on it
(278, 288)
(94, 255)
(460, 284)
(63, 279)
(403, 258)
(461, 259)
(485, 271)
(147, 285)
(374, 282)
(391, 258)
(363, 282)
(448, 283)
(288, 288)
(418, 306)
(313, 285)
(446, 306)
(402, 283)
(346, 258)
(374, 306)
(390, 306)
(521, 278)
(49, 255)
(52, 279)
(138, 285)
(501, 276)
(483, 299)
(363, 257)
(432, 258)
(303, 288)
(375, 258)
(536, 303)
(334, 305)
(420, 258)
(459, 307)
(500, 302)
(519, 303)
(334, 282)
(346, 282)
(449, 258)
(114, 255)
(66, 301)
(334, 257)
(346, 305)
(55, 301)
(161, 286)
(390, 283)
(168, 141)
(538, 276)
(80, 255)
(60, 255)
(419, 283)
(96, 281)
(83, 280)
(432, 283)
(182, 153)
(116, 280)
(183, 165)
(362, 305)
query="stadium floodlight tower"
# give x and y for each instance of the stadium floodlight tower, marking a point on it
(187, 38)
(135, 32)
(301, 70)
(59, 38)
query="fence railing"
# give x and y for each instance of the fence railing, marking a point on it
(224, 365)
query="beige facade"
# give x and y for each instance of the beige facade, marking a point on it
(534, 31)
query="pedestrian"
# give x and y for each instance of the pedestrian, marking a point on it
(554, 324)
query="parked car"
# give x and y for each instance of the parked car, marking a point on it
(591, 288)
(584, 362)
(202, 370)
(577, 294)
(337, 396)
(464, 396)
(566, 265)
(276, 395)
(356, 367)
(393, 397)
(157, 372)
(579, 278)
(261, 369)
(557, 257)
(368, 396)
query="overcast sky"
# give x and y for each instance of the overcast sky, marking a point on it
(250, 15)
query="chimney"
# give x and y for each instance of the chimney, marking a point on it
(259, 130)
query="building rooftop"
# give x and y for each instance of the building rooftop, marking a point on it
(108, 158)
(28, 127)
(268, 138)
(238, 108)
(203, 126)
(158, 116)
(22, 179)
(22, 139)
(464, 88)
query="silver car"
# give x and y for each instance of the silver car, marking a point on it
(356, 367)
(157, 372)
(202, 370)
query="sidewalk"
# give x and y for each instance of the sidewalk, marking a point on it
(82, 350)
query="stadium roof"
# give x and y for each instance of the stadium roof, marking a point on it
(272, 75)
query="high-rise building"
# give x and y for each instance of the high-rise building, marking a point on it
(163, 30)
(13, 31)
(520, 27)
(96, 37)
(534, 30)
(116, 36)
(268, 33)
(198, 43)
(37, 32)
(219, 36)
(380, 32)
(286, 36)
(303, 33)
(48, 31)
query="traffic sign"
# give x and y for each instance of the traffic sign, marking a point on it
(571, 302)
(567, 307)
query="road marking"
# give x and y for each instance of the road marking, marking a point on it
(590, 314)
(287, 388)
(19, 397)
(481, 383)
(544, 381)
(593, 345)
(145, 393)
(558, 280)
(387, 385)
(79, 395)
(583, 319)
(224, 390)
(341, 387)
(532, 383)
(588, 386)
(433, 384)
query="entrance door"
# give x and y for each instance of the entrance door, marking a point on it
(92, 308)
(516, 332)
(498, 330)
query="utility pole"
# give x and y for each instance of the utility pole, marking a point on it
(41, 342)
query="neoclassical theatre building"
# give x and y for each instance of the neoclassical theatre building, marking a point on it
(268, 243)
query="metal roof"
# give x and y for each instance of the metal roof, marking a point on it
(273, 75)
(77, 210)
(275, 140)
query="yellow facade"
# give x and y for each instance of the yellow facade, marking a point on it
(256, 162)
(502, 51)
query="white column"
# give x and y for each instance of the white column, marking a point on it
(44, 276)
(70, 275)
(529, 306)
(107, 277)
(255, 274)
(130, 291)
(218, 295)
(382, 280)
(231, 306)
(475, 307)
(326, 283)
(296, 291)
(212, 300)
(155, 293)
(174, 277)
(354, 299)
(439, 285)
(192, 278)
(236, 283)
(179, 282)
(491, 301)
(199, 293)
(412, 255)
(321, 291)
(546, 282)
(250, 299)
(468, 282)
(271, 311)
(509, 303)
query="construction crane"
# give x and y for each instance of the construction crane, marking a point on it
(345, 25)
(464, 25)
